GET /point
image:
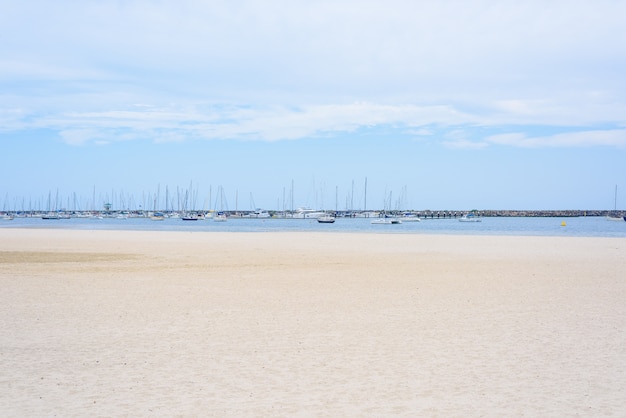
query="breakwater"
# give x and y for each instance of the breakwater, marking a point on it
(520, 213)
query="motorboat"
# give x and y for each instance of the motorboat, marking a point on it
(386, 221)
(220, 217)
(260, 213)
(55, 216)
(157, 216)
(307, 213)
(326, 219)
(470, 217)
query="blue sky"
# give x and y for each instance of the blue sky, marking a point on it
(440, 105)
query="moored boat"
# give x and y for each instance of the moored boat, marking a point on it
(260, 213)
(470, 217)
(326, 219)
(190, 217)
(220, 217)
(53, 216)
(614, 216)
(307, 213)
(386, 221)
(157, 216)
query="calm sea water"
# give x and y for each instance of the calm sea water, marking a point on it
(575, 227)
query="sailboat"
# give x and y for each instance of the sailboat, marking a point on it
(614, 216)
(385, 219)
(221, 215)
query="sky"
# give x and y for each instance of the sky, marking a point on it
(329, 104)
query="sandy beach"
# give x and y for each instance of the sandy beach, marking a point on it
(128, 323)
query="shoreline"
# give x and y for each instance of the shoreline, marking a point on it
(498, 226)
(114, 322)
(289, 214)
(52, 238)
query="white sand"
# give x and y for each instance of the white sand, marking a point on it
(110, 323)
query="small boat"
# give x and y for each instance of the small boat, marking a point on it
(6, 217)
(326, 219)
(386, 221)
(190, 217)
(157, 216)
(220, 217)
(307, 213)
(260, 213)
(470, 217)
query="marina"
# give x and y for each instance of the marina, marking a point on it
(591, 226)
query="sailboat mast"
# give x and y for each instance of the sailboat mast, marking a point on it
(352, 198)
(365, 200)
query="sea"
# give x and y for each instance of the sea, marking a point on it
(584, 226)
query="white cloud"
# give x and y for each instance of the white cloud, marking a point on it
(349, 42)
(455, 129)
(458, 139)
(464, 144)
(281, 69)
(79, 136)
(573, 109)
(269, 124)
(610, 138)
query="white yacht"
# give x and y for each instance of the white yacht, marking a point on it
(260, 213)
(307, 213)
(220, 217)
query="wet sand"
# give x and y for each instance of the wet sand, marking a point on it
(127, 323)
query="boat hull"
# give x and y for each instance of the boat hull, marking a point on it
(326, 220)
(386, 221)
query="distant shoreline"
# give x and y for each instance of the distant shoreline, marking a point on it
(425, 214)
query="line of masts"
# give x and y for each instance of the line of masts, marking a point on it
(183, 199)
(186, 199)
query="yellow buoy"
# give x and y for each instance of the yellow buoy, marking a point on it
(563, 223)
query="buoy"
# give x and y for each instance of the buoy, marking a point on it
(563, 223)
